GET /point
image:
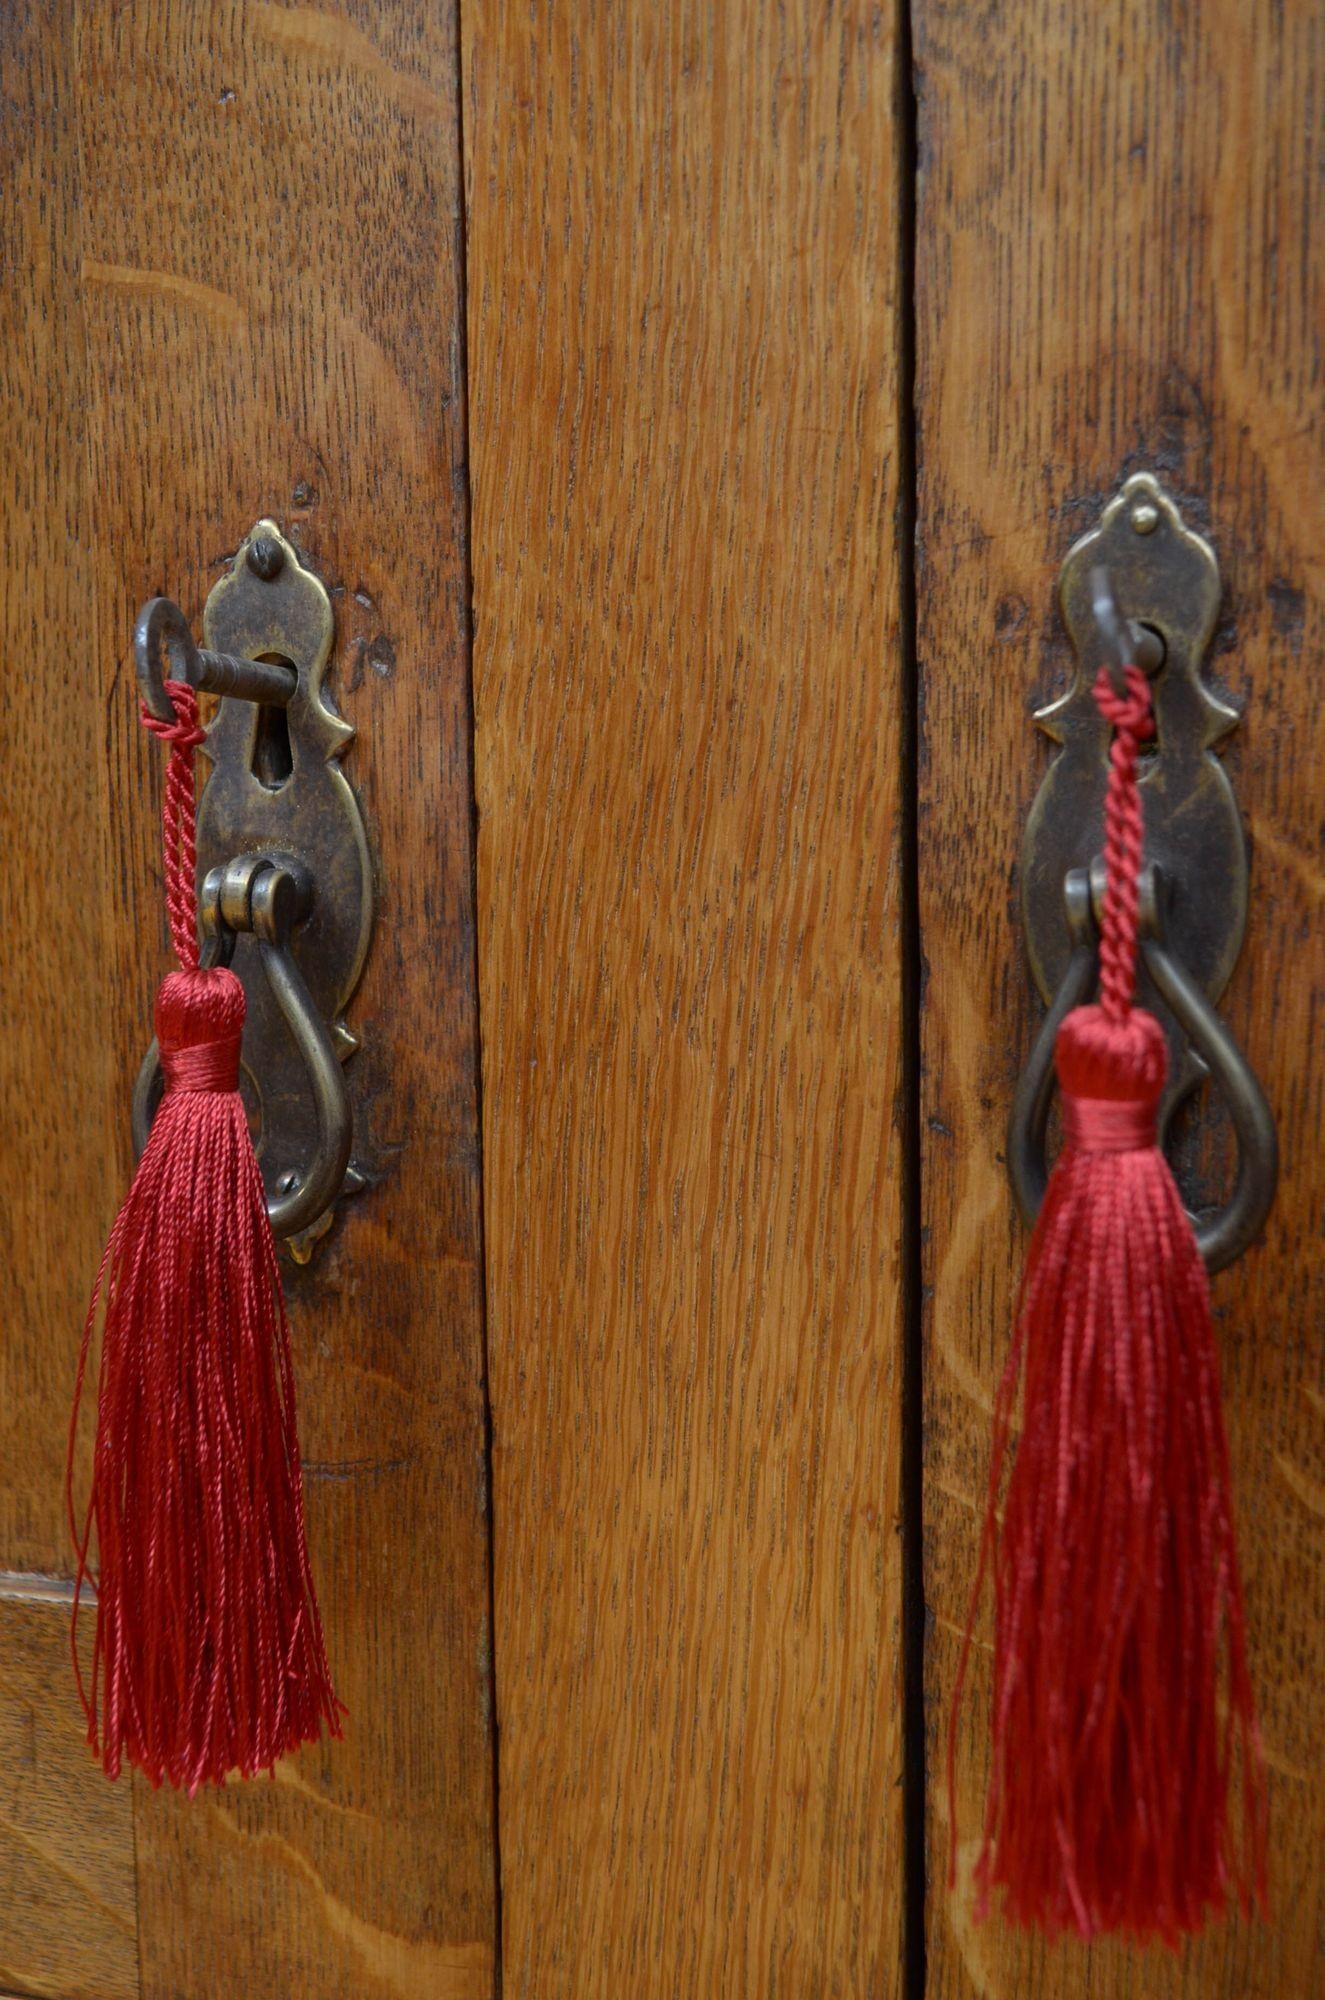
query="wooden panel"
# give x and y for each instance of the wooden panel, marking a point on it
(683, 337)
(68, 1910)
(1117, 221)
(271, 308)
(57, 1158)
(68, 1915)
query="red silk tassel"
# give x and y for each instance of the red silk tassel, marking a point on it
(209, 1655)
(1122, 1700)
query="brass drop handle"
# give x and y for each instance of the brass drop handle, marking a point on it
(260, 895)
(1224, 1236)
(287, 892)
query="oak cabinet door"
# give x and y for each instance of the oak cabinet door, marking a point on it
(1117, 214)
(684, 311)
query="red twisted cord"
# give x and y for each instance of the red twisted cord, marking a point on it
(178, 812)
(1133, 722)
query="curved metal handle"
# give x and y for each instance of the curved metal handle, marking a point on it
(1222, 1237)
(269, 897)
(1028, 1125)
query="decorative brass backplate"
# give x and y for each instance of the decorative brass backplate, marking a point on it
(276, 788)
(1165, 577)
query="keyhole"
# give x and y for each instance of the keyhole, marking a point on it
(1151, 655)
(273, 760)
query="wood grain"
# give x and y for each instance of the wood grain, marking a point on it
(68, 1907)
(68, 1915)
(58, 1157)
(255, 306)
(1118, 210)
(683, 337)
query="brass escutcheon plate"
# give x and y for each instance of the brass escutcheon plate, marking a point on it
(276, 788)
(1165, 577)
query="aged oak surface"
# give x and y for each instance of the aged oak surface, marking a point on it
(683, 313)
(1117, 237)
(58, 1157)
(68, 1910)
(68, 1905)
(235, 288)
(231, 282)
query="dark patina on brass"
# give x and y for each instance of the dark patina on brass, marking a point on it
(288, 891)
(1144, 584)
(1165, 579)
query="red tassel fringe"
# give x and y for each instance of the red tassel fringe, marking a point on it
(1124, 1722)
(209, 1654)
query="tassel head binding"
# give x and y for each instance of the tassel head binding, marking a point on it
(199, 1020)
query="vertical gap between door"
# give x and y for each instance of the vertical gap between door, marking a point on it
(913, 974)
(467, 616)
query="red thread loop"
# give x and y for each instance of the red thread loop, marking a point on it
(205, 1066)
(185, 732)
(178, 809)
(1108, 1125)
